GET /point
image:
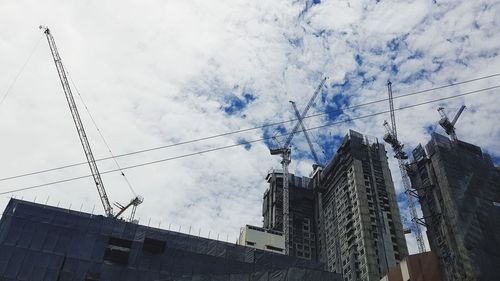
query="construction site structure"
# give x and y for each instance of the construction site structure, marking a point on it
(391, 138)
(302, 243)
(459, 187)
(108, 209)
(40, 242)
(285, 152)
(360, 233)
(449, 126)
(306, 134)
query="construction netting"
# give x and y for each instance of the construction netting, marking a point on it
(39, 242)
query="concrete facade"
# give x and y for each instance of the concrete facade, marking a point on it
(361, 235)
(458, 187)
(262, 239)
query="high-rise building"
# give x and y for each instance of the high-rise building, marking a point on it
(358, 220)
(459, 190)
(302, 222)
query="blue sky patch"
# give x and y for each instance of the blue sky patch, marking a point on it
(322, 33)
(462, 62)
(419, 75)
(376, 51)
(367, 80)
(296, 42)
(439, 62)
(430, 129)
(359, 60)
(342, 87)
(277, 131)
(401, 198)
(416, 55)
(488, 54)
(236, 104)
(393, 45)
(245, 143)
(329, 146)
(396, 45)
(394, 69)
(495, 159)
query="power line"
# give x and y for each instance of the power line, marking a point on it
(248, 129)
(102, 136)
(249, 142)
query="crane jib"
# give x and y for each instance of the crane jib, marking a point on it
(78, 123)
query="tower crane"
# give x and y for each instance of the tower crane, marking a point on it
(391, 137)
(449, 126)
(284, 151)
(306, 134)
(108, 210)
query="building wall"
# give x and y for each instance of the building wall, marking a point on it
(458, 184)
(263, 239)
(361, 231)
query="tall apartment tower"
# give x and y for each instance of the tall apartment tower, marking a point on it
(302, 223)
(459, 191)
(361, 235)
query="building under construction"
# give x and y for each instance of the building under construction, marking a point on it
(459, 190)
(361, 235)
(345, 216)
(39, 242)
(302, 203)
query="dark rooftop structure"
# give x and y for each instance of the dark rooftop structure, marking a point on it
(39, 242)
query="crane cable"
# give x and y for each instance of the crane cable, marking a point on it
(249, 142)
(250, 129)
(102, 136)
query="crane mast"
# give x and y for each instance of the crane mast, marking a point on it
(391, 138)
(285, 153)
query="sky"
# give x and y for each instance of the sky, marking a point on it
(158, 73)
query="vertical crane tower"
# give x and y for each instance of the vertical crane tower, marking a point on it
(391, 137)
(83, 136)
(285, 153)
